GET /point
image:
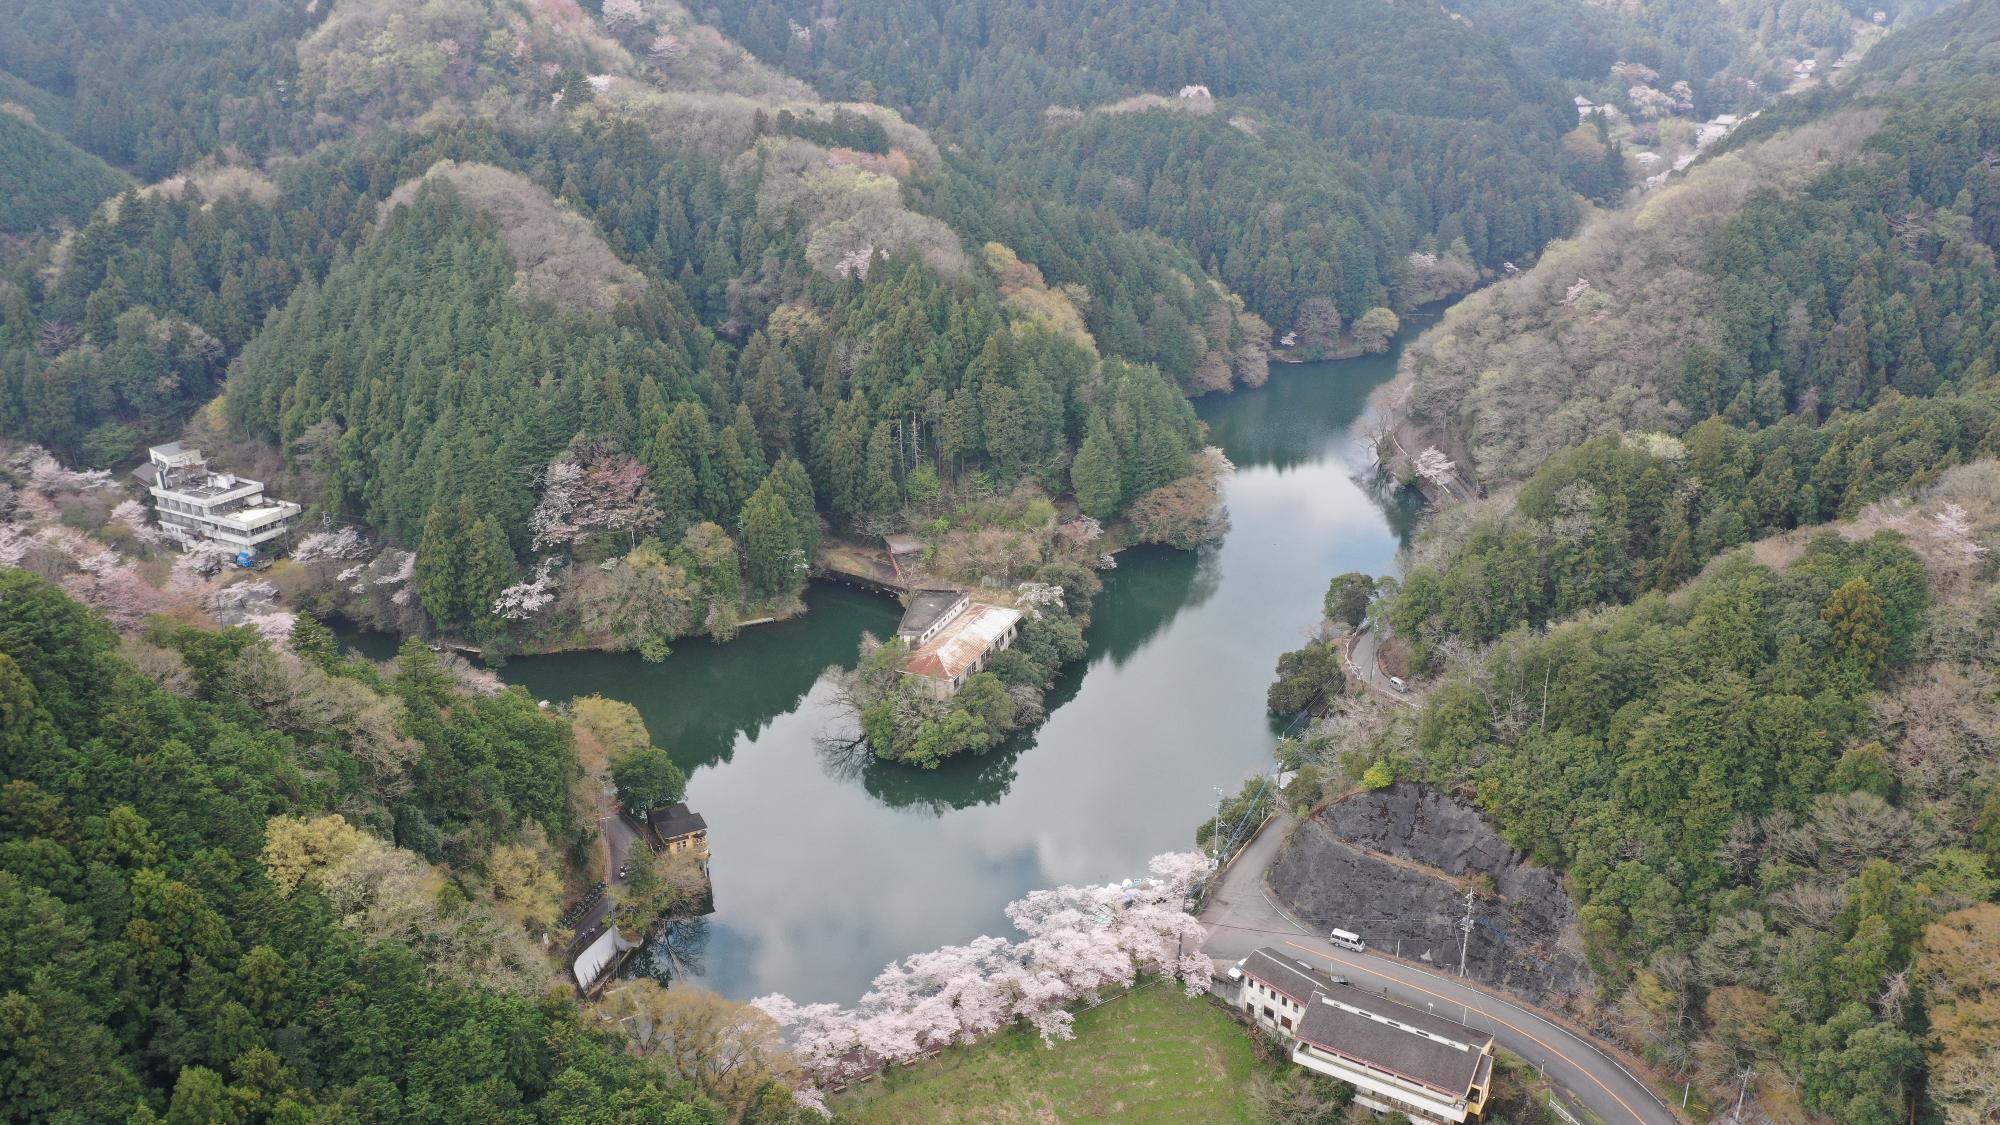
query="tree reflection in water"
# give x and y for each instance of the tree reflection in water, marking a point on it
(676, 950)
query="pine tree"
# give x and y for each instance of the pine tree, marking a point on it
(795, 489)
(674, 484)
(879, 492)
(489, 569)
(770, 541)
(847, 457)
(1094, 474)
(1860, 632)
(314, 642)
(738, 463)
(695, 439)
(766, 403)
(440, 563)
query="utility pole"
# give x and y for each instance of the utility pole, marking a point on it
(1465, 931)
(1215, 838)
(1742, 1087)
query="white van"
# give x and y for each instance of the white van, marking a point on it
(1347, 940)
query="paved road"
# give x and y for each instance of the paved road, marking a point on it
(1362, 667)
(620, 833)
(1242, 915)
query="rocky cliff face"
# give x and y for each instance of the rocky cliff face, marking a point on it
(1391, 866)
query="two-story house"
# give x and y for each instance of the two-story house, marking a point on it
(1397, 1058)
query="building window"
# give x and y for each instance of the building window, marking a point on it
(1268, 1014)
(1287, 1021)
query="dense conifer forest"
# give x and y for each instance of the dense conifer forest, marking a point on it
(1298, 152)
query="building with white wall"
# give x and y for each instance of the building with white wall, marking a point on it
(194, 504)
(1397, 1058)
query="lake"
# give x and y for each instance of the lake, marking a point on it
(827, 866)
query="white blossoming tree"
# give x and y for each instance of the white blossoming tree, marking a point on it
(591, 490)
(1077, 941)
(1436, 468)
(523, 600)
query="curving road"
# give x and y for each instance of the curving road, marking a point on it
(1364, 670)
(1241, 915)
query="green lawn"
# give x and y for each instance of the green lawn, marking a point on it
(1151, 1055)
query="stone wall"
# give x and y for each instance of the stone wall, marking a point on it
(1383, 864)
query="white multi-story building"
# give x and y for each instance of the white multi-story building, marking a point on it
(194, 504)
(1398, 1059)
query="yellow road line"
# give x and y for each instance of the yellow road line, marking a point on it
(1357, 967)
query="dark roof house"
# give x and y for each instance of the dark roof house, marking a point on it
(675, 821)
(1288, 975)
(928, 612)
(1398, 1058)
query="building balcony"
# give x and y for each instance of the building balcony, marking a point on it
(1417, 1102)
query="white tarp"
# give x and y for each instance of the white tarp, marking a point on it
(591, 963)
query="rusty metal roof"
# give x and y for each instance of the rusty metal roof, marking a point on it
(963, 642)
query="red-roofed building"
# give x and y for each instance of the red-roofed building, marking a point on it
(962, 647)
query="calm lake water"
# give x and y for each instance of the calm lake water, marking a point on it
(826, 867)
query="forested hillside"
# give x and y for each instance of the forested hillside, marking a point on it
(45, 180)
(1803, 326)
(1726, 51)
(1760, 752)
(1302, 152)
(515, 289)
(199, 929)
(1773, 795)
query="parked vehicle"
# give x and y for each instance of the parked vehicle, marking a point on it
(1397, 683)
(1347, 939)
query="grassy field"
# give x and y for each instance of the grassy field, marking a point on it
(1152, 1055)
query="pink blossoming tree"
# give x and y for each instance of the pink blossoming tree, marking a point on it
(1077, 942)
(593, 488)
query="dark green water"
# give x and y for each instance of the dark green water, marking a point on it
(828, 866)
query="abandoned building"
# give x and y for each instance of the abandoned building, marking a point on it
(194, 504)
(950, 637)
(1397, 1058)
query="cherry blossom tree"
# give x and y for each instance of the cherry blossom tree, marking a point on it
(102, 579)
(132, 514)
(15, 543)
(1957, 528)
(203, 559)
(345, 543)
(523, 600)
(1077, 942)
(47, 474)
(623, 15)
(1032, 597)
(1435, 467)
(1650, 103)
(593, 488)
(666, 47)
(254, 605)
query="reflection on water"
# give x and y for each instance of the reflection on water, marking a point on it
(828, 864)
(705, 699)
